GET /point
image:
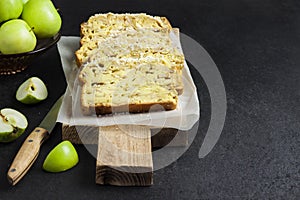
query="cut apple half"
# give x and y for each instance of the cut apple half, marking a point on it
(32, 91)
(12, 124)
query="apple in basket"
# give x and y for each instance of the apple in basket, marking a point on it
(10, 9)
(43, 17)
(23, 21)
(16, 37)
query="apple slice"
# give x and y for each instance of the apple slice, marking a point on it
(12, 124)
(32, 91)
(61, 158)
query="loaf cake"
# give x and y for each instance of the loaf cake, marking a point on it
(128, 64)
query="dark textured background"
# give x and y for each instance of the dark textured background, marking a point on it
(256, 46)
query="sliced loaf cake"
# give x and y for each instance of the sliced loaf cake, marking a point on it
(130, 69)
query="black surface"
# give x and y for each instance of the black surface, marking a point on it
(256, 46)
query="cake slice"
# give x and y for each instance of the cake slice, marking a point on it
(100, 26)
(134, 90)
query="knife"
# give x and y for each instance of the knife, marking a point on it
(30, 148)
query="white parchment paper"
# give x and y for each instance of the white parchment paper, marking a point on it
(183, 117)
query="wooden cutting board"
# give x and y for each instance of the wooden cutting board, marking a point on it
(124, 156)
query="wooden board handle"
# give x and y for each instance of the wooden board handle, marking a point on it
(26, 155)
(124, 156)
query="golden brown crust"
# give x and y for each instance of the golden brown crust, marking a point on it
(131, 108)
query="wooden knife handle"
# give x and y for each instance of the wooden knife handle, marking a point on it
(26, 155)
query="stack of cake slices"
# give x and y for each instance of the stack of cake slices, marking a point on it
(128, 63)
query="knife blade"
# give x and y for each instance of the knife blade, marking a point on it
(30, 148)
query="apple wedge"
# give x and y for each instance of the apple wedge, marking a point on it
(32, 91)
(12, 124)
(61, 158)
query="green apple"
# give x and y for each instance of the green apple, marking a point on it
(42, 17)
(16, 37)
(32, 91)
(61, 158)
(10, 9)
(12, 124)
(24, 1)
